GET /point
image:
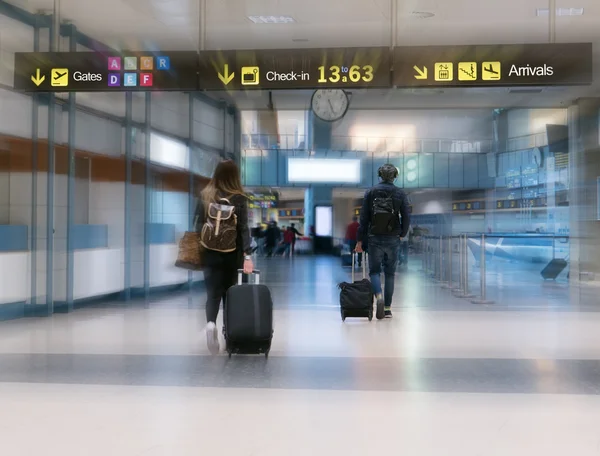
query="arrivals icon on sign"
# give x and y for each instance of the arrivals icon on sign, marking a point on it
(491, 71)
(467, 71)
(444, 71)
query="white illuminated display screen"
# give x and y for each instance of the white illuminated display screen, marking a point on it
(341, 171)
(324, 221)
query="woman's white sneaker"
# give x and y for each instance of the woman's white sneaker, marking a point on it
(212, 338)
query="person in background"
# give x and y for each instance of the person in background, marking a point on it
(256, 235)
(288, 241)
(352, 237)
(272, 236)
(384, 219)
(296, 235)
(220, 268)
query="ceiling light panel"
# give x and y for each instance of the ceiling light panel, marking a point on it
(544, 12)
(272, 19)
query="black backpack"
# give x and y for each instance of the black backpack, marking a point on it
(385, 219)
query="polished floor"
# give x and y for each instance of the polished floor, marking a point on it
(444, 377)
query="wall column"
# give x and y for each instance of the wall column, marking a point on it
(584, 175)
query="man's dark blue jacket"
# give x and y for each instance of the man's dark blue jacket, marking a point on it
(366, 213)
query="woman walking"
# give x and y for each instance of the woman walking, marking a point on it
(222, 214)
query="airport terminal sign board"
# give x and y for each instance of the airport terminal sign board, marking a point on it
(295, 69)
(101, 72)
(493, 65)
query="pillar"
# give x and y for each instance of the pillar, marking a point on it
(584, 175)
(318, 196)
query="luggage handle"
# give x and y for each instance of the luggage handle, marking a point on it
(255, 273)
(364, 264)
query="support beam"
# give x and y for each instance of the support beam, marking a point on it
(128, 205)
(147, 194)
(71, 183)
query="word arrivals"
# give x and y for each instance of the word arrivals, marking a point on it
(528, 70)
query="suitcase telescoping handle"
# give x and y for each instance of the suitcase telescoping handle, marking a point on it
(255, 273)
(364, 264)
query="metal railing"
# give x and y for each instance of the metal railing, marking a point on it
(370, 144)
(438, 261)
(383, 144)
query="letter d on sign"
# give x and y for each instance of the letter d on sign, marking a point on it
(114, 80)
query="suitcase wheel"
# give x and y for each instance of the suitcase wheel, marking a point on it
(370, 315)
(267, 354)
(343, 315)
(229, 353)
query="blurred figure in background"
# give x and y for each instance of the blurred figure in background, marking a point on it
(257, 237)
(352, 237)
(272, 236)
(222, 214)
(288, 241)
(296, 235)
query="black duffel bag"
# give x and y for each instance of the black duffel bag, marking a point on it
(356, 298)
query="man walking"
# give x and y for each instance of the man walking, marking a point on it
(384, 220)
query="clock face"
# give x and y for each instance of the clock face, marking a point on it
(329, 104)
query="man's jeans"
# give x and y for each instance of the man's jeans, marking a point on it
(383, 253)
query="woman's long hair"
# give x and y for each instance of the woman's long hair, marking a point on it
(226, 182)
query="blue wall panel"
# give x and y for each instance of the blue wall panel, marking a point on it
(269, 171)
(455, 170)
(13, 238)
(470, 172)
(411, 171)
(425, 170)
(436, 170)
(161, 233)
(485, 180)
(440, 171)
(90, 237)
(252, 166)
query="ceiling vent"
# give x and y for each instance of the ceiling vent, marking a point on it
(421, 14)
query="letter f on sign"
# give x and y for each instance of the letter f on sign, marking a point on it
(146, 79)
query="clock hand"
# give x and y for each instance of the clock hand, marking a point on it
(330, 105)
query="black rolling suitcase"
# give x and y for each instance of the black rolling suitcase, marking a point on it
(356, 298)
(248, 318)
(554, 268)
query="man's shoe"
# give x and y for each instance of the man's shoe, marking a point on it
(380, 314)
(388, 312)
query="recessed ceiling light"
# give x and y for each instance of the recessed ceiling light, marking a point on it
(272, 19)
(543, 12)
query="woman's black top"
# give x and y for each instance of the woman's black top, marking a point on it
(241, 211)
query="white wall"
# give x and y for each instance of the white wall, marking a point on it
(461, 124)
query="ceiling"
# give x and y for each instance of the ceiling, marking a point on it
(174, 25)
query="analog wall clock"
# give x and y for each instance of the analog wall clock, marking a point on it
(330, 104)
